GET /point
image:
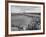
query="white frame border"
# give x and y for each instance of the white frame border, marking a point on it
(22, 32)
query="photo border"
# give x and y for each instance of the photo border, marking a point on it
(6, 18)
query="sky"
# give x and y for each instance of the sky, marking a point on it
(27, 9)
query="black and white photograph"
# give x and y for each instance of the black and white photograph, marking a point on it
(25, 18)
